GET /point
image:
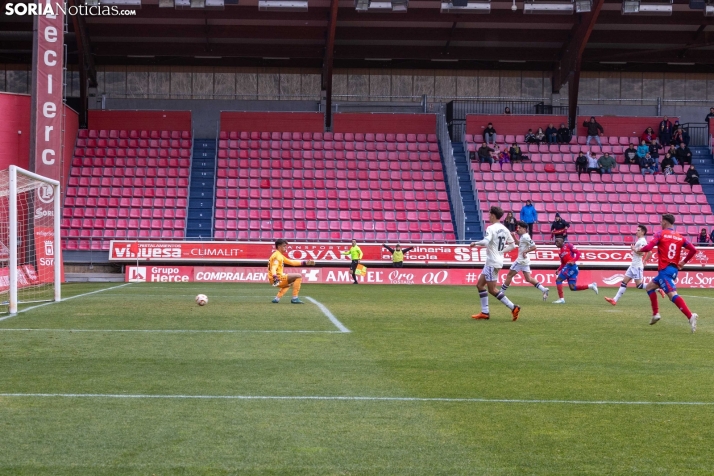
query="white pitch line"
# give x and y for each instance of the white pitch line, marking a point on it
(692, 296)
(329, 315)
(64, 299)
(349, 398)
(179, 331)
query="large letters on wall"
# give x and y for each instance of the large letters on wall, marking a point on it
(48, 59)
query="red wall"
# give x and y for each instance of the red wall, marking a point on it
(623, 126)
(272, 121)
(386, 123)
(14, 116)
(140, 120)
(514, 125)
(613, 125)
(15, 148)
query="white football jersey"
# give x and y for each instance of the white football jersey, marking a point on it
(498, 241)
(523, 247)
(637, 260)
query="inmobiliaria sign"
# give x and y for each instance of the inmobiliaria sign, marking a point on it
(326, 253)
(46, 140)
(403, 276)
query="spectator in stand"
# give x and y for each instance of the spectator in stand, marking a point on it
(489, 134)
(484, 154)
(529, 215)
(711, 236)
(500, 156)
(648, 135)
(692, 176)
(540, 135)
(680, 134)
(559, 228)
(551, 134)
(606, 163)
(564, 136)
(648, 165)
(703, 238)
(668, 161)
(592, 163)
(665, 131)
(515, 153)
(595, 130)
(530, 137)
(581, 164)
(684, 154)
(510, 222)
(507, 111)
(709, 118)
(655, 147)
(642, 151)
(631, 155)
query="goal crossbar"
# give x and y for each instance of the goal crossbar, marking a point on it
(18, 182)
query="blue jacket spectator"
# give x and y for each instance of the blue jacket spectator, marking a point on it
(642, 150)
(529, 215)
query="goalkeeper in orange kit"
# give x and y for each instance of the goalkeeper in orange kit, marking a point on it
(282, 280)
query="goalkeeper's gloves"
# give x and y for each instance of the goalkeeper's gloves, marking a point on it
(276, 280)
(308, 263)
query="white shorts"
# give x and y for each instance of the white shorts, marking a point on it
(526, 268)
(634, 273)
(490, 273)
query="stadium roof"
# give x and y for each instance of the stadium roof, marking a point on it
(241, 35)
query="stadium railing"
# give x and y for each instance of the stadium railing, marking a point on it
(447, 151)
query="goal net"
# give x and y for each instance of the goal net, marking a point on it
(29, 239)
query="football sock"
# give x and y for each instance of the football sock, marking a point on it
(679, 302)
(484, 301)
(504, 287)
(560, 290)
(540, 287)
(507, 302)
(641, 286)
(296, 287)
(581, 287)
(282, 292)
(653, 299)
(620, 292)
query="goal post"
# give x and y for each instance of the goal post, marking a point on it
(30, 255)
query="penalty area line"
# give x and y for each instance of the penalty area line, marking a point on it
(329, 315)
(63, 300)
(350, 398)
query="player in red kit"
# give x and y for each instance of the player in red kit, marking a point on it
(568, 270)
(669, 246)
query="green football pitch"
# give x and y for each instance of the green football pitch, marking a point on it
(378, 380)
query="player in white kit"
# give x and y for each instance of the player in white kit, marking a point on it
(636, 269)
(498, 240)
(522, 264)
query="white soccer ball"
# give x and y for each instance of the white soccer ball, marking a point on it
(201, 299)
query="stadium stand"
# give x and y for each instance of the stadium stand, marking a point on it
(126, 184)
(331, 187)
(601, 210)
